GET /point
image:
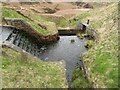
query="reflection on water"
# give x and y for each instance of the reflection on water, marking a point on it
(65, 50)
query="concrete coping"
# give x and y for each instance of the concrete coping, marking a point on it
(7, 26)
(12, 46)
(14, 18)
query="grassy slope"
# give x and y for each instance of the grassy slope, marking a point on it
(102, 60)
(79, 80)
(20, 70)
(60, 21)
(9, 13)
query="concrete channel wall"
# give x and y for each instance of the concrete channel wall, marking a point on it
(16, 48)
(69, 31)
(81, 28)
(22, 25)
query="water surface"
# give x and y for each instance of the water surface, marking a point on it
(65, 50)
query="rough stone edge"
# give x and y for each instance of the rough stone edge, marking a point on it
(22, 25)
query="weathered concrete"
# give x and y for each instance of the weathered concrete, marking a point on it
(81, 28)
(5, 32)
(22, 25)
(68, 31)
(16, 48)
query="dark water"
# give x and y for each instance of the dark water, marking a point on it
(64, 49)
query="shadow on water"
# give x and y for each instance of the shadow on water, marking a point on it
(68, 48)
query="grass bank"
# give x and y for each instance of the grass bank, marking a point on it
(22, 71)
(101, 61)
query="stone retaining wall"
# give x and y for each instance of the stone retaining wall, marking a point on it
(22, 25)
(70, 31)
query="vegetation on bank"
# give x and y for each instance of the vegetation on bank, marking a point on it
(89, 44)
(79, 80)
(34, 20)
(82, 35)
(22, 71)
(101, 61)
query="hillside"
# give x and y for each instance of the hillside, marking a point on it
(101, 61)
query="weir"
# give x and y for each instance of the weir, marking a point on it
(25, 41)
(63, 49)
(68, 31)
